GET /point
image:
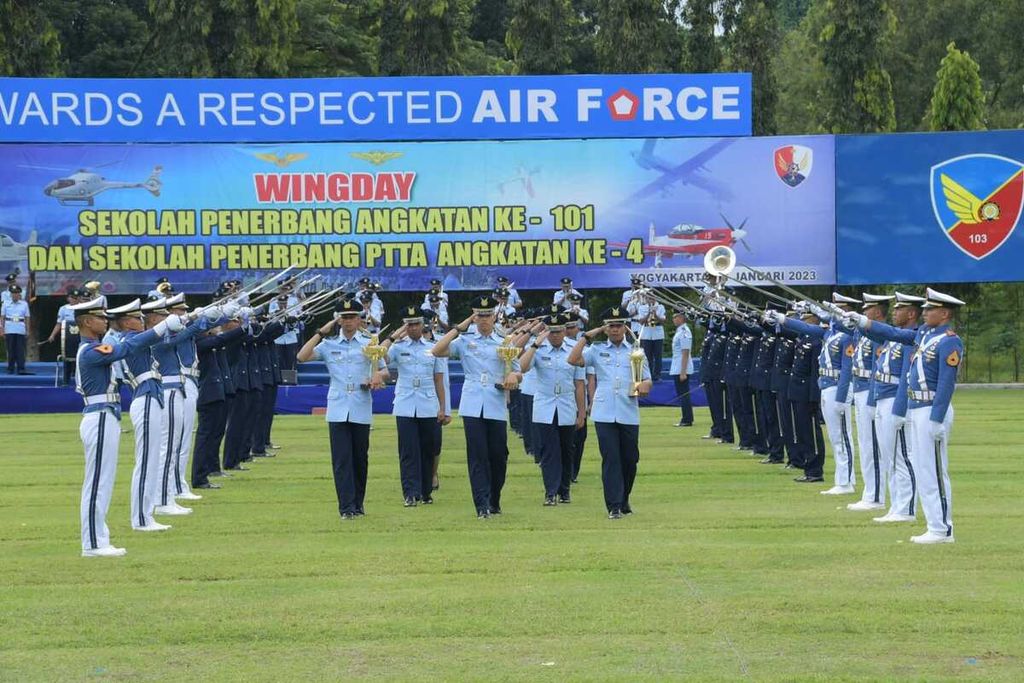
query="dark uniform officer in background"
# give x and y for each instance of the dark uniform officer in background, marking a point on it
(782, 366)
(806, 404)
(212, 404)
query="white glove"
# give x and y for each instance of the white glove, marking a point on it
(899, 420)
(822, 314)
(231, 309)
(245, 312)
(848, 323)
(775, 317)
(213, 313)
(175, 323)
(936, 431)
(859, 319)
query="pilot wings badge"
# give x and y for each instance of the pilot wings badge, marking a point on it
(977, 200)
(376, 158)
(793, 163)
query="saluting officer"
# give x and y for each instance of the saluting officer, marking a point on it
(418, 405)
(100, 429)
(482, 405)
(559, 405)
(873, 466)
(349, 402)
(616, 413)
(711, 367)
(67, 331)
(931, 382)
(766, 410)
(14, 324)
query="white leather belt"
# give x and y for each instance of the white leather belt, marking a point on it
(831, 374)
(863, 374)
(139, 379)
(921, 395)
(101, 398)
(886, 378)
(14, 319)
(172, 379)
(189, 372)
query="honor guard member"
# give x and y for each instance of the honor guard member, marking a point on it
(711, 374)
(418, 406)
(890, 394)
(874, 467)
(188, 362)
(254, 365)
(616, 413)
(100, 429)
(287, 343)
(432, 332)
(573, 328)
(482, 404)
(270, 374)
(835, 364)
(561, 297)
(14, 322)
(340, 346)
(161, 289)
(172, 431)
(735, 384)
(514, 299)
(782, 366)
(766, 410)
(931, 381)
(243, 399)
(804, 396)
(559, 406)
(66, 332)
(682, 367)
(140, 372)
(212, 404)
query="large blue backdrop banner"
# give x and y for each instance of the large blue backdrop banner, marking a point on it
(403, 213)
(930, 207)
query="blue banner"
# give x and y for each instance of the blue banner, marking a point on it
(374, 109)
(930, 207)
(403, 213)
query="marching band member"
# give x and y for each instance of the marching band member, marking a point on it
(482, 405)
(418, 405)
(931, 380)
(616, 413)
(161, 289)
(874, 467)
(100, 428)
(559, 405)
(349, 401)
(648, 317)
(561, 297)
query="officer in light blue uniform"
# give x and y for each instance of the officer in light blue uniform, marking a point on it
(682, 367)
(616, 408)
(287, 344)
(161, 289)
(931, 380)
(66, 331)
(513, 294)
(101, 429)
(482, 405)
(889, 392)
(14, 321)
(349, 403)
(559, 405)
(418, 406)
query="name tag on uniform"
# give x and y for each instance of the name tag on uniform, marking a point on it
(404, 354)
(604, 354)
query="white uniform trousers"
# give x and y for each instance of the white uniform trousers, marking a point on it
(188, 422)
(170, 438)
(872, 466)
(931, 466)
(894, 449)
(839, 436)
(147, 418)
(101, 434)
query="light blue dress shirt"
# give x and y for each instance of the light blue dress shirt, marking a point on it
(414, 391)
(682, 340)
(347, 400)
(291, 332)
(483, 370)
(15, 314)
(612, 402)
(66, 315)
(555, 386)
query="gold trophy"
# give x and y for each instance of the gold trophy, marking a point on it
(374, 352)
(507, 352)
(637, 358)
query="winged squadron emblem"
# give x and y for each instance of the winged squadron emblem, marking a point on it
(793, 163)
(977, 200)
(376, 158)
(281, 160)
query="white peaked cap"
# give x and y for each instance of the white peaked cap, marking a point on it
(936, 299)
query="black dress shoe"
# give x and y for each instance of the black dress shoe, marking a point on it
(791, 466)
(564, 499)
(709, 436)
(483, 514)
(771, 461)
(263, 455)
(207, 485)
(348, 515)
(495, 510)
(273, 446)
(427, 501)
(626, 510)
(684, 424)
(238, 468)
(614, 514)
(808, 480)
(218, 473)
(550, 500)
(410, 502)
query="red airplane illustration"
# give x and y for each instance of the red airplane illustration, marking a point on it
(690, 240)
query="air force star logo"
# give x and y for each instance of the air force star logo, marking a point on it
(977, 200)
(793, 163)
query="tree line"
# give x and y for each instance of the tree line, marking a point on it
(834, 66)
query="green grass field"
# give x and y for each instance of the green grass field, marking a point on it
(727, 571)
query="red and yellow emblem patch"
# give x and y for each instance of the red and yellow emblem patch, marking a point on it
(105, 349)
(849, 350)
(953, 359)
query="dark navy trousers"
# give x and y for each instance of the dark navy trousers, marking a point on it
(555, 447)
(209, 432)
(620, 453)
(579, 441)
(487, 460)
(416, 451)
(350, 447)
